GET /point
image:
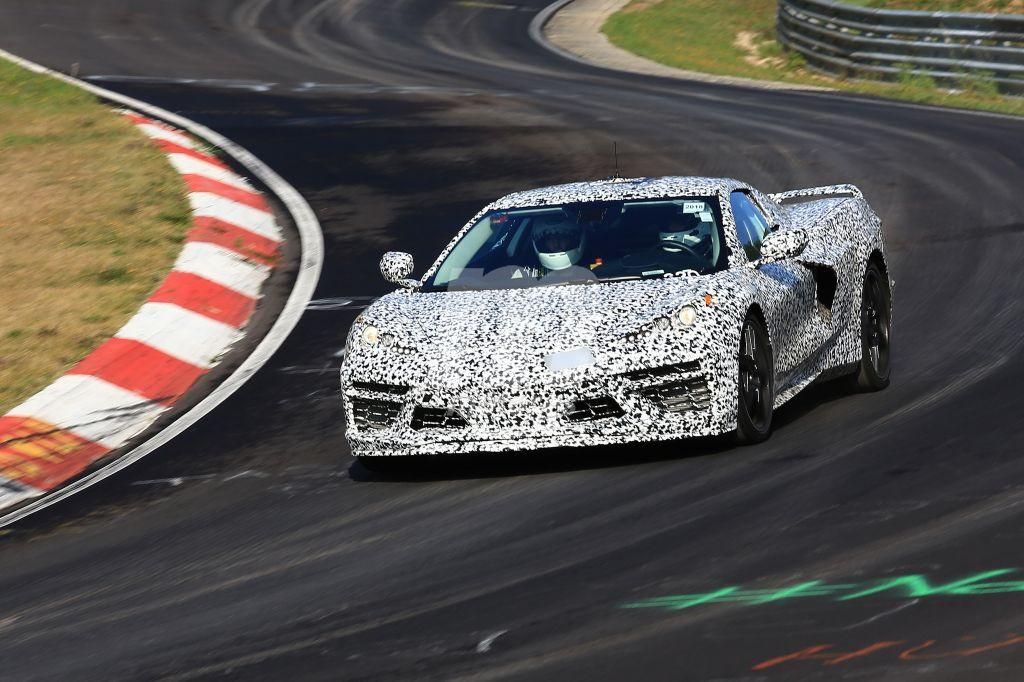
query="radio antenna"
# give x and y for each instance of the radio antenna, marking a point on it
(615, 160)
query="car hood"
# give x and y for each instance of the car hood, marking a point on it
(472, 332)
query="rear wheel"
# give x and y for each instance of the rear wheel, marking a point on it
(756, 394)
(875, 325)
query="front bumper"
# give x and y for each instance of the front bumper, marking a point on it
(593, 408)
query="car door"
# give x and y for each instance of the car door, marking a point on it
(787, 293)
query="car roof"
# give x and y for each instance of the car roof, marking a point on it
(618, 189)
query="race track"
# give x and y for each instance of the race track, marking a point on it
(248, 547)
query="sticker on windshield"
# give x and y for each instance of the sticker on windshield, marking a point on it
(693, 206)
(705, 217)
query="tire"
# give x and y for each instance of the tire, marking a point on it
(875, 328)
(755, 393)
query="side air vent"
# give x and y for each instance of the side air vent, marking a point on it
(825, 281)
(370, 413)
(593, 409)
(437, 418)
(375, 387)
(664, 371)
(680, 396)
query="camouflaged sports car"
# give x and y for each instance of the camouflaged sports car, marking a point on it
(620, 311)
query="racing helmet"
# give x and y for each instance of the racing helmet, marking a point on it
(558, 242)
(676, 230)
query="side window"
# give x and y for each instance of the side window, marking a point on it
(751, 224)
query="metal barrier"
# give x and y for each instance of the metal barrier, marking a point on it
(862, 42)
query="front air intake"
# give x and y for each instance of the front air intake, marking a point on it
(680, 396)
(593, 409)
(375, 387)
(371, 413)
(437, 418)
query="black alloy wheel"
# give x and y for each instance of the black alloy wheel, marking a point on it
(875, 329)
(756, 397)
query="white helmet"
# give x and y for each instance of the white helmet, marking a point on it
(681, 229)
(558, 242)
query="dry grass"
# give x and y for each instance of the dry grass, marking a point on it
(91, 219)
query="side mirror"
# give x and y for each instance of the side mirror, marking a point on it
(782, 245)
(396, 267)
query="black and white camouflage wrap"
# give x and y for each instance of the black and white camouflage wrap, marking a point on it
(396, 266)
(509, 365)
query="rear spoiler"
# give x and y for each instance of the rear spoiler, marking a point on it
(811, 192)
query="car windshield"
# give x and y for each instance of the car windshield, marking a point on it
(586, 242)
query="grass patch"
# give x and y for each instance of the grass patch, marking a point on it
(737, 38)
(91, 220)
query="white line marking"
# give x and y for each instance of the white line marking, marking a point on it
(131, 38)
(230, 83)
(371, 89)
(312, 258)
(487, 5)
(341, 303)
(174, 481)
(248, 473)
(330, 304)
(485, 643)
(323, 369)
(883, 614)
(180, 333)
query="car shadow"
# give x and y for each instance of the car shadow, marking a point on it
(812, 398)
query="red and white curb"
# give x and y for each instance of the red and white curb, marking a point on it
(181, 332)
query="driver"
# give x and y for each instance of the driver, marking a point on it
(682, 229)
(558, 242)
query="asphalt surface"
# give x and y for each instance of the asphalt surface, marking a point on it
(251, 548)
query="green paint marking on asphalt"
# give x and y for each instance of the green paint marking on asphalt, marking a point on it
(917, 586)
(684, 601)
(902, 587)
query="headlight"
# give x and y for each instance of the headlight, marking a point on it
(686, 315)
(370, 335)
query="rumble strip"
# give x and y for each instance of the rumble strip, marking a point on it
(181, 332)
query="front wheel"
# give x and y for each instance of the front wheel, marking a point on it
(875, 325)
(756, 394)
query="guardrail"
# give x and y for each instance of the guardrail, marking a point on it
(951, 47)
